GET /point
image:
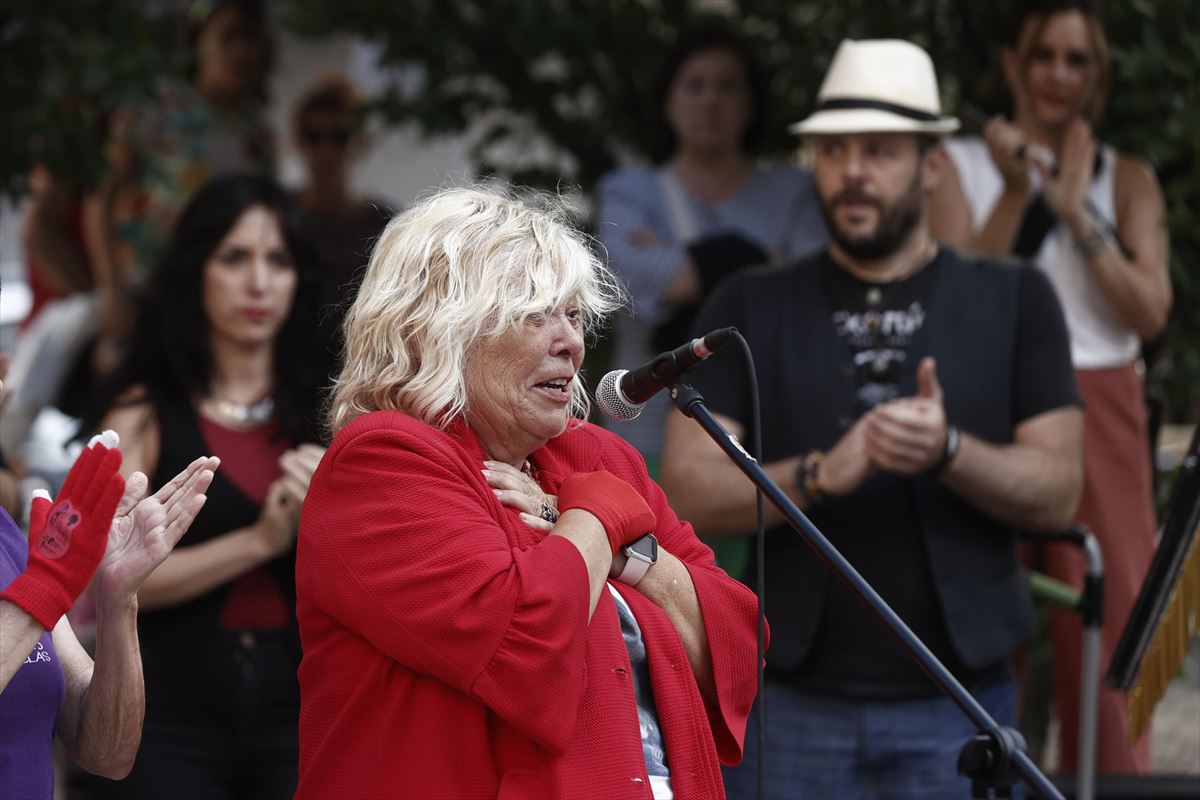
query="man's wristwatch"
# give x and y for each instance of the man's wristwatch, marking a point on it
(948, 452)
(641, 554)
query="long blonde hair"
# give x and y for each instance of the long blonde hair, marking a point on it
(463, 264)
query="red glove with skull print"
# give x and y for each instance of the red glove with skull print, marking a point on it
(67, 539)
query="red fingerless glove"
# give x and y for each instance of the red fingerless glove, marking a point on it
(67, 541)
(614, 502)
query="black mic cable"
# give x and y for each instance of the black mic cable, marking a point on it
(760, 560)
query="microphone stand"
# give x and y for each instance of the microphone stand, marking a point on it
(995, 757)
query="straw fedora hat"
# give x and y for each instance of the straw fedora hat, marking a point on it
(878, 85)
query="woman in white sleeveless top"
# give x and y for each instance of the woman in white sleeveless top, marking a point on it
(1104, 246)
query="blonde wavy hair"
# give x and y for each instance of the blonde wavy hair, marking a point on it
(461, 265)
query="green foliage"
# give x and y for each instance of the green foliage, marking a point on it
(63, 68)
(1154, 112)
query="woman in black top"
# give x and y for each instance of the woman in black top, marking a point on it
(229, 357)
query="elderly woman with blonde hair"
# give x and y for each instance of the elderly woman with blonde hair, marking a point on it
(495, 600)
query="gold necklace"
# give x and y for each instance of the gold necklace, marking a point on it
(243, 414)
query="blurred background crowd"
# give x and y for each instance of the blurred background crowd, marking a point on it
(121, 114)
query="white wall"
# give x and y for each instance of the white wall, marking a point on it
(15, 298)
(398, 165)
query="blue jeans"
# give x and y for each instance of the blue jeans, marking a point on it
(821, 747)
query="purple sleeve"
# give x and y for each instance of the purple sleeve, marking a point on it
(14, 552)
(30, 704)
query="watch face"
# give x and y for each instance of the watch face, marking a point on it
(645, 548)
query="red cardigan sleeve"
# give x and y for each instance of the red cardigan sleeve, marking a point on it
(729, 608)
(411, 556)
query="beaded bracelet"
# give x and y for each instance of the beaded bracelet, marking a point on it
(1091, 244)
(808, 477)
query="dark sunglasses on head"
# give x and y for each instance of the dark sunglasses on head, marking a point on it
(316, 136)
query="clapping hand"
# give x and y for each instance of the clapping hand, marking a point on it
(908, 435)
(848, 465)
(1006, 145)
(146, 529)
(68, 536)
(1066, 190)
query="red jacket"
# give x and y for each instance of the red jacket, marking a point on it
(447, 647)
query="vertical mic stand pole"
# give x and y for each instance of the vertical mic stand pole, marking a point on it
(992, 759)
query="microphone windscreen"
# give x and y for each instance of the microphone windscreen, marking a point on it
(610, 399)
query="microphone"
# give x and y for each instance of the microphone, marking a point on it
(622, 393)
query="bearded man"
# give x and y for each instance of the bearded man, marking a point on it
(919, 405)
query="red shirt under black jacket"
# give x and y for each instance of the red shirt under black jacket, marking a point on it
(447, 647)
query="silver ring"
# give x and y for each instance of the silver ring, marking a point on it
(549, 514)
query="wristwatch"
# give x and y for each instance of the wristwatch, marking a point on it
(948, 453)
(640, 556)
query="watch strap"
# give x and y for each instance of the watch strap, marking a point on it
(635, 569)
(948, 452)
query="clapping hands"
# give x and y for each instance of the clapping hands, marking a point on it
(1065, 177)
(906, 436)
(104, 525)
(1066, 189)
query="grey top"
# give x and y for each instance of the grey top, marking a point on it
(776, 208)
(653, 748)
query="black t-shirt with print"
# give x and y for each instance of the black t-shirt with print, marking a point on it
(878, 321)
(852, 654)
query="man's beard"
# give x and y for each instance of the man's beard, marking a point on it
(896, 222)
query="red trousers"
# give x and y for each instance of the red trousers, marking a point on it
(1117, 506)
